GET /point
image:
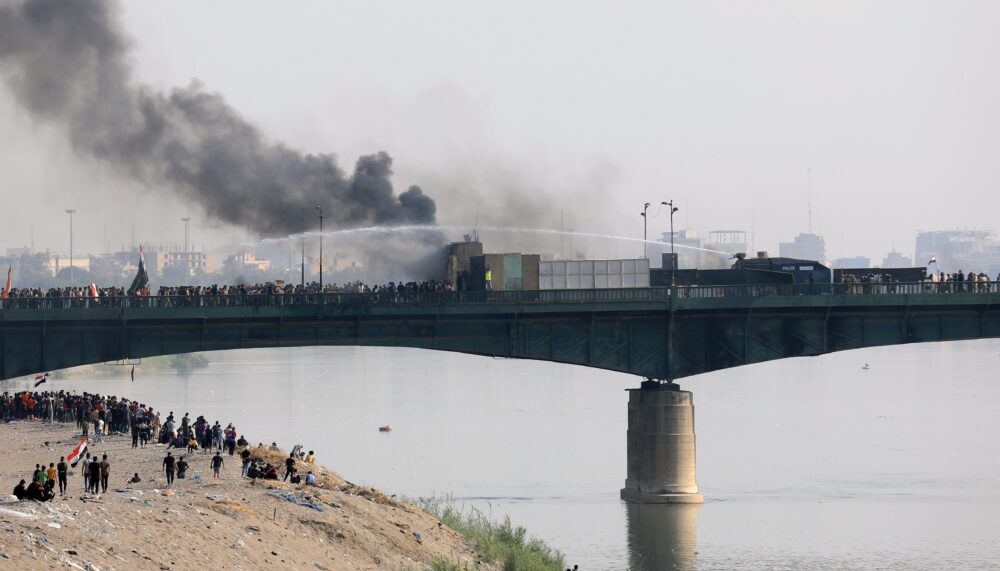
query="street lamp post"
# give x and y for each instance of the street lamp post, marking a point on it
(645, 219)
(71, 212)
(320, 208)
(673, 257)
(187, 260)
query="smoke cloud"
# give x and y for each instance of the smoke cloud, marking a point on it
(67, 63)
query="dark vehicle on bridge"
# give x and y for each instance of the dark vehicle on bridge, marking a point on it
(789, 275)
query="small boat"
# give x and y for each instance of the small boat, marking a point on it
(386, 428)
(866, 367)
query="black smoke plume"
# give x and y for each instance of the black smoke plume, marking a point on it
(67, 62)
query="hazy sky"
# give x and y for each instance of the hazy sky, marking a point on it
(597, 107)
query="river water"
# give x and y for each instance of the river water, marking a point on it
(805, 463)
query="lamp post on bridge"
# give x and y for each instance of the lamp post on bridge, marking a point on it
(320, 208)
(673, 256)
(71, 212)
(645, 220)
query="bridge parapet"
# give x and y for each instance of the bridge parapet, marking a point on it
(676, 298)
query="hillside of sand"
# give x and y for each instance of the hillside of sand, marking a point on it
(202, 522)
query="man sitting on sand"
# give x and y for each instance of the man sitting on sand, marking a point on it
(38, 493)
(310, 479)
(135, 479)
(20, 491)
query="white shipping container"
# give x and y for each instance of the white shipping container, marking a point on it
(590, 274)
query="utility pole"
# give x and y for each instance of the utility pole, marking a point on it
(673, 256)
(645, 219)
(320, 208)
(71, 212)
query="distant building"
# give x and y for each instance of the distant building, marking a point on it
(687, 246)
(804, 247)
(247, 260)
(18, 252)
(170, 258)
(855, 262)
(56, 263)
(728, 241)
(190, 263)
(954, 250)
(896, 260)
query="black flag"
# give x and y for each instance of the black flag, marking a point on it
(133, 373)
(141, 277)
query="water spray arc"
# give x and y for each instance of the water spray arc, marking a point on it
(431, 228)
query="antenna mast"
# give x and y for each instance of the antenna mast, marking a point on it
(809, 197)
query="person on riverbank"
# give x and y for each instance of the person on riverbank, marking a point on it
(85, 470)
(289, 466)
(217, 465)
(217, 436)
(20, 491)
(105, 473)
(182, 468)
(95, 477)
(245, 457)
(38, 493)
(168, 467)
(63, 470)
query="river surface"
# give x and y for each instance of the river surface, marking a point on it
(807, 463)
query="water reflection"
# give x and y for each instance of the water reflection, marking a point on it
(661, 536)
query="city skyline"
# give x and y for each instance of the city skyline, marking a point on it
(760, 153)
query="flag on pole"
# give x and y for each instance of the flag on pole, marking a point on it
(6, 290)
(133, 373)
(141, 277)
(39, 379)
(93, 290)
(77, 452)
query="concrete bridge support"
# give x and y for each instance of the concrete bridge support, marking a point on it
(661, 446)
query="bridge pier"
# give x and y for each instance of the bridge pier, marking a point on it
(661, 446)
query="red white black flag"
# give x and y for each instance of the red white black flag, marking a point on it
(77, 452)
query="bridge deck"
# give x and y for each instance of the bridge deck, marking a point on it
(662, 333)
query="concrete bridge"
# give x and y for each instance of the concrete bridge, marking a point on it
(662, 334)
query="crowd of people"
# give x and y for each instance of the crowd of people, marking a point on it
(271, 293)
(97, 416)
(958, 282)
(280, 293)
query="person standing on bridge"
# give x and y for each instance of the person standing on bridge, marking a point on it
(489, 278)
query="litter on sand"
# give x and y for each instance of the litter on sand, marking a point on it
(289, 497)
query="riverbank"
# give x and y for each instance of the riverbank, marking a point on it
(202, 522)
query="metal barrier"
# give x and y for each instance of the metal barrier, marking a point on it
(519, 296)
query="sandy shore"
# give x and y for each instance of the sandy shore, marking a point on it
(209, 524)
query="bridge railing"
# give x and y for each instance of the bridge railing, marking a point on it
(870, 288)
(341, 299)
(522, 296)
